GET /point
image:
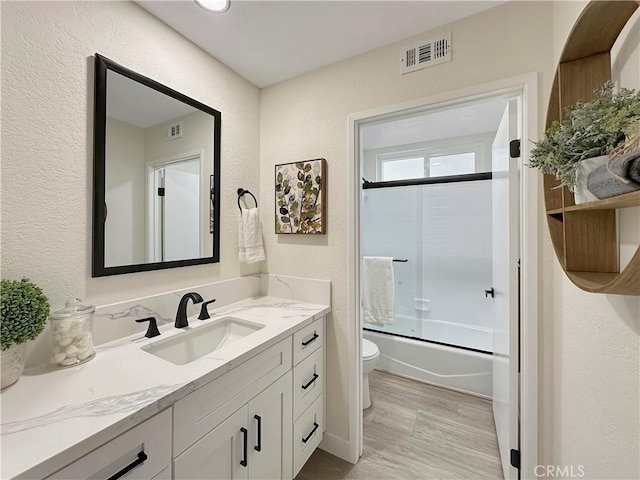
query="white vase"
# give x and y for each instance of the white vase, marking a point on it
(585, 167)
(12, 364)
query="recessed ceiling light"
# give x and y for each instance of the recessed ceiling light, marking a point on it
(216, 6)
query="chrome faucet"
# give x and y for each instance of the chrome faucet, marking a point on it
(181, 314)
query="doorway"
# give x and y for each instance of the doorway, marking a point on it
(425, 164)
(174, 208)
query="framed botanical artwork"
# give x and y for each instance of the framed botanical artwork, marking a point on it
(301, 197)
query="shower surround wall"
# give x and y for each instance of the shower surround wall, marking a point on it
(444, 231)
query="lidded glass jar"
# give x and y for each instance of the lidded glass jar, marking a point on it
(72, 334)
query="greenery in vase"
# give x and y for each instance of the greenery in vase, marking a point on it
(24, 310)
(590, 129)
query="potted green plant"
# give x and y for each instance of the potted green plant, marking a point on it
(24, 310)
(583, 140)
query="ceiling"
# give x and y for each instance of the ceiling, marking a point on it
(139, 105)
(270, 41)
(469, 119)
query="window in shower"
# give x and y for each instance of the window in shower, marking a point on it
(402, 168)
(456, 164)
(437, 159)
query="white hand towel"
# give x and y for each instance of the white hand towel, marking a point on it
(378, 293)
(250, 249)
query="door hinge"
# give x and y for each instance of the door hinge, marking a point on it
(161, 191)
(514, 148)
(515, 458)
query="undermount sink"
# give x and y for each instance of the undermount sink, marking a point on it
(192, 344)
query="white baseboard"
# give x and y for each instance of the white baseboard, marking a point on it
(338, 447)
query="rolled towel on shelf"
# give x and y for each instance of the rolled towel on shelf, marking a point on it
(626, 168)
(633, 173)
(378, 291)
(603, 184)
(250, 248)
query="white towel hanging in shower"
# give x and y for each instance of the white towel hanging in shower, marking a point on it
(378, 292)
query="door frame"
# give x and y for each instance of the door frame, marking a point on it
(526, 86)
(152, 213)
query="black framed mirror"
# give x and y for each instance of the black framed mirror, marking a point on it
(156, 175)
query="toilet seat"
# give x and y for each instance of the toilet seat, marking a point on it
(369, 349)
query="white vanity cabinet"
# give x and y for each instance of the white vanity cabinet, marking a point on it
(246, 423)
(308, 391)
(259, 420)
(253, 443)
(144, 452)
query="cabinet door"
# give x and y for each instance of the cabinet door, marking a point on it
(217, 455)
(270, 438)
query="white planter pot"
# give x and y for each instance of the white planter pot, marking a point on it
(12, 364)
(585, 167)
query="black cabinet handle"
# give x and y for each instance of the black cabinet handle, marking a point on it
(315, 377)
(491, 293)
(315, 427)
(142, 457)
(311, 340)
(243, 462)
(258, 447)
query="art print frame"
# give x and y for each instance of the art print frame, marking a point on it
(301, 197)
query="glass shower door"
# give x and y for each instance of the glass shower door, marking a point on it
(391, 227)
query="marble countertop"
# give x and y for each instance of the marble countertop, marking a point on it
(52, 417)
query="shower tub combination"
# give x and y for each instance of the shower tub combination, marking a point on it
(436, 361)
(439, 232)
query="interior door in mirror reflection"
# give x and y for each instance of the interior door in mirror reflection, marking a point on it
(174, 217)
(156, 169)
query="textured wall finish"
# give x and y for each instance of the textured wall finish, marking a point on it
(590, 362)
(306, 117)
(47, 140)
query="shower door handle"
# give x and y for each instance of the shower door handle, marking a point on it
(490, 292)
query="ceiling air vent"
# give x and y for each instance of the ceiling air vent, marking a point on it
(426, 54)
(174, 131)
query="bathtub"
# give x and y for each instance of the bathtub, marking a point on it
(450, 367)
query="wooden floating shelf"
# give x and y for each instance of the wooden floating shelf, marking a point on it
(621, 201)
(584, 236)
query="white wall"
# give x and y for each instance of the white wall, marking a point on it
(124, 237)
(590, 343)
(306, 117)
(47, 141)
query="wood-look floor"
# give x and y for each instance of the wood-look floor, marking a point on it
(415, 431)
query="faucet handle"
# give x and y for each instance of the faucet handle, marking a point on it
(152, 330)
(204, 312)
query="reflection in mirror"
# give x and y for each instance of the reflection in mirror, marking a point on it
(156, 175)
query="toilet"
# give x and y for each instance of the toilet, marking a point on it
(370, 354)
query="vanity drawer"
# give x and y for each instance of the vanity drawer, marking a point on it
(307, 340)
(201, 411)
(307, 433)
(149, 444)
(308, 381)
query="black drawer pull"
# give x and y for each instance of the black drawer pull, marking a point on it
(258, 447)
(315, 377)
(142, 457)
(315, 427)
(243, 462)
(311, 340)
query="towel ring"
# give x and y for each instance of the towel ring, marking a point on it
(241, 192)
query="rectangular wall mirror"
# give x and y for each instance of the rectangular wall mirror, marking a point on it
(156, 175)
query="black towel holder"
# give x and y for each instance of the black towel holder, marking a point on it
(241, 193)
